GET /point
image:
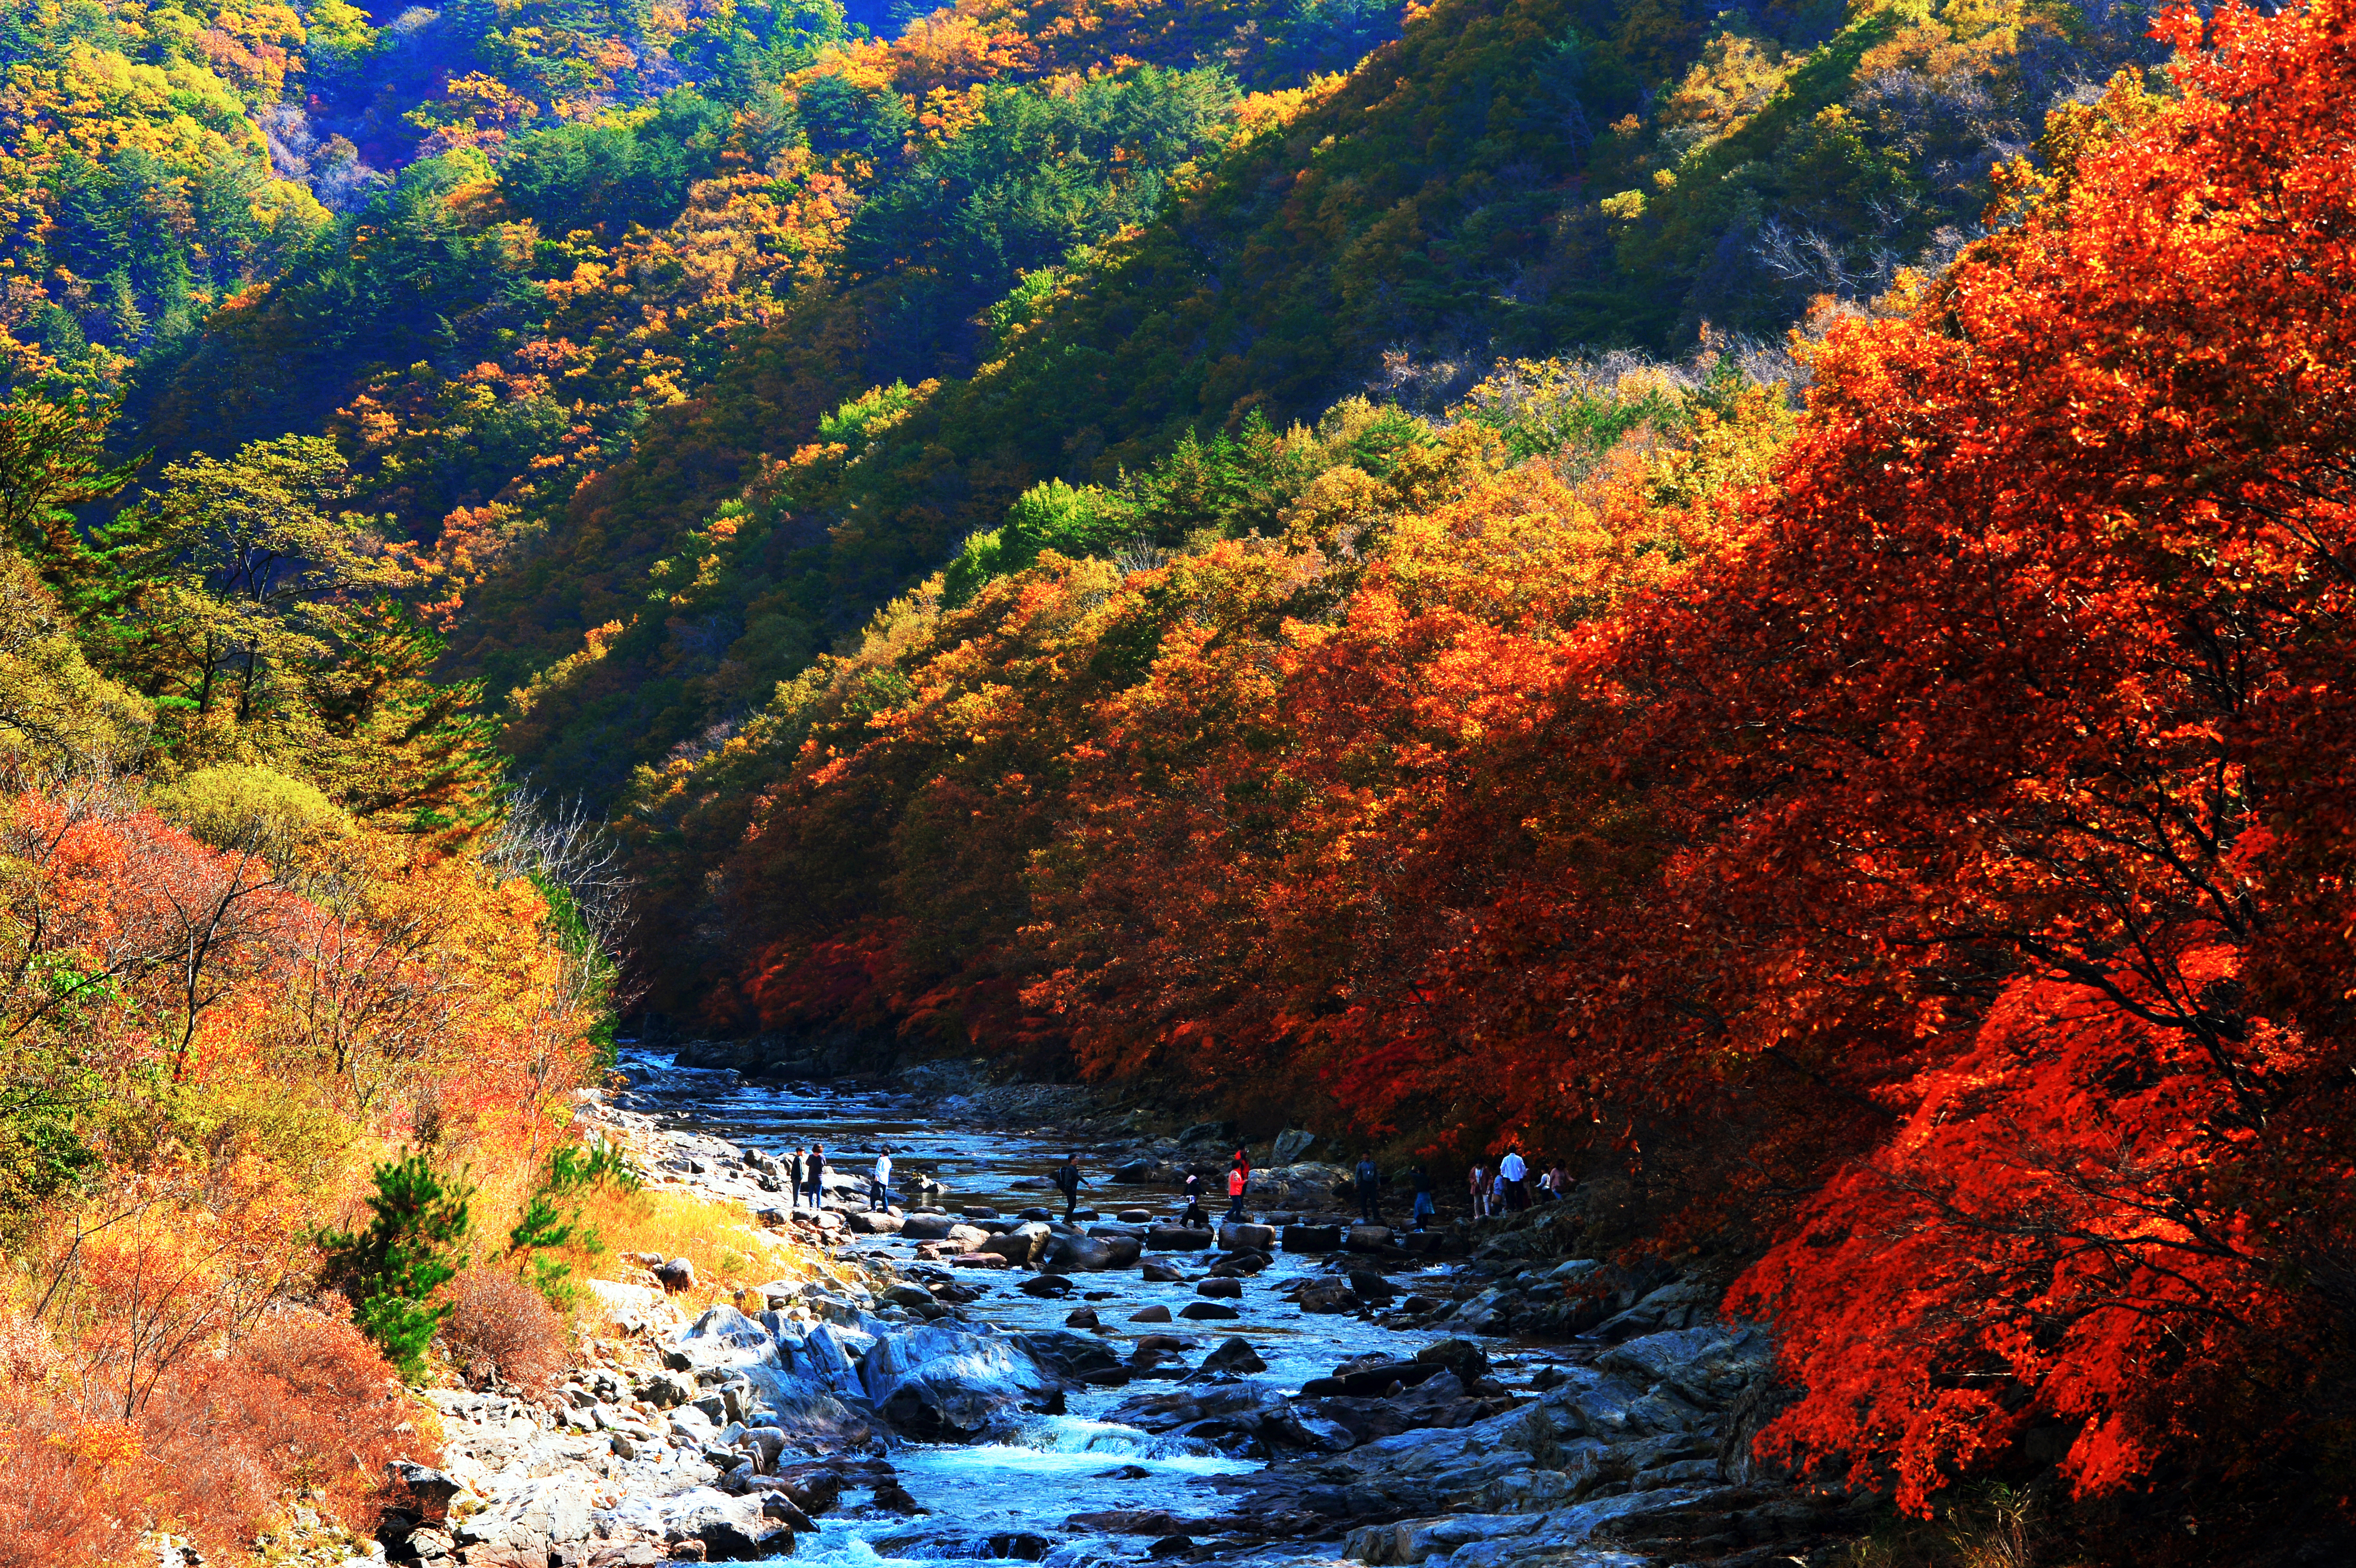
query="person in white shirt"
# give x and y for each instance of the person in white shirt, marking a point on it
(879, 1192)
(1516, 1170)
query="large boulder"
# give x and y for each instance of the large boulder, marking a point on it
(722, 1339)
(1177, 1238)
(927, 1227)
(944, 1384)
(1234, 1358)
(875, 1222)
(1025, 1245)
(1241, 1237)
(1708, 1366)
(1073, 1357)
(1312, 1238)
(1067, 1253)
(1369, 1239)
(518, 1529)
(1291, 1144)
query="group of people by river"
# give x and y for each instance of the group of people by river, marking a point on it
(1506, 1189)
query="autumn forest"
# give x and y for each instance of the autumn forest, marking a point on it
(1763, 596)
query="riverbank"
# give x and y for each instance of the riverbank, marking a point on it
(971, 1377)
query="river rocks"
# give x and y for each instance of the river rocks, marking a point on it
(982, 1260)
(516, 1529)
(1325, 1296)
(1213, 1134)
(1067, 1253)
(1237, 1237)
(1371, 1288)
(1674, 1305)
(1291, 1144)
(943, 1384)
(1085, 1317)
(1144, 1173)
(935, 1079)
(1238, 1266)
(932, 1541)
(875, 1222)
(1150, 1315)
(966, 1238)
(1209, 1311)
(1123, 1245)
(1304, 1186)
(1220, 1289)
(1135, 1216)
(1368, 1238)
(1235, 1358)
(1072, 1358)
(723, 1337)
(1462, 1357)
(1024, 1246)
(1312, 1238)
(1046, 1286)
(927, 1227)
(1160, 1273)
(1374, 1375)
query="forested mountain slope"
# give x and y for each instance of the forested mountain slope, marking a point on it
(1511, 176)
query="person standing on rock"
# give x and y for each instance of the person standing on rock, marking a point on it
(1370, 1189)
(1423, 1207)
(797, 1172)
(879, 1190)
(817, 1175)
(1237, 1181)
(1515, 1172)
(1480, 1193)
(1067, 1182)
(1195, 1219)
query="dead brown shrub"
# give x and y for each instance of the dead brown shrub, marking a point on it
(302, 1404)
(502, 1328)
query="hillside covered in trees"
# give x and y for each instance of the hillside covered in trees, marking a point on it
(1759, 595)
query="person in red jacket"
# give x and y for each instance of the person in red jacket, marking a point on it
(1238, 1177)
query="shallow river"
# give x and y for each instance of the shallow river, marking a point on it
(1063, 1464)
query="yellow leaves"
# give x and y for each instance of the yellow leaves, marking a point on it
(1734, 79)
(1625, 208)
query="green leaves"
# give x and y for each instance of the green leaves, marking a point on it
(392, 1270)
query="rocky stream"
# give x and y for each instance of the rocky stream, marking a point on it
(968, 1376)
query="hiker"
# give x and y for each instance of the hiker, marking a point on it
(1480, 1193)
(1514, 1170)
(1370, 1190)
(1556, 1183)
(1195, 1219)
(817, 1175)
(1501, 1196)
(1243, 1160)
(1423, 1204)
(879, 1188)
(794, 1169)
(1067, 1182)
(1235, 1182)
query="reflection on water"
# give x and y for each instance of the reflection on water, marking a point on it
(1075, 1463)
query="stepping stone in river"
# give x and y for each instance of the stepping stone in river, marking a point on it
(1150, 1315)
(1199, 1310)
(1225, 1288)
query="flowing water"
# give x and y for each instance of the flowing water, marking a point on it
(1074, 1463)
